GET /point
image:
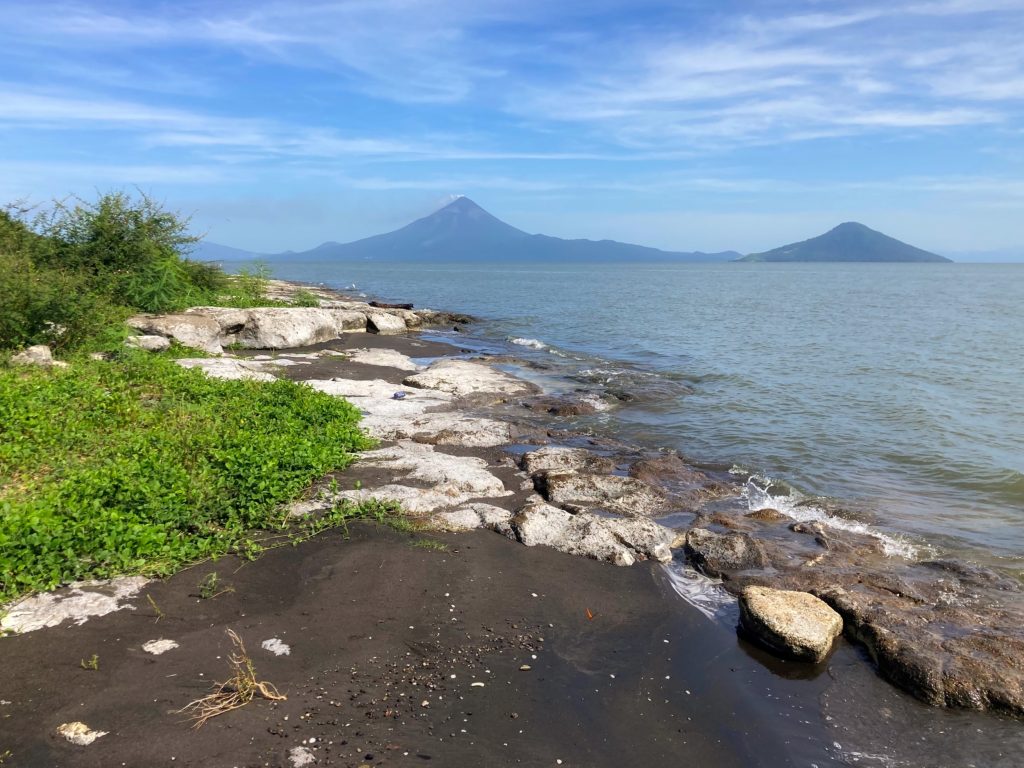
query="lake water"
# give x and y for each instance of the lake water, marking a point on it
(884, 394)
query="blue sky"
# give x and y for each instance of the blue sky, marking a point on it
(683, 125)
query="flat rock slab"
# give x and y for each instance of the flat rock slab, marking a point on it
(462, 377)
(191, 330)
(471, 516)
(148, 343)
(76, 603)
(388, 358)
(229, 368)
(795, 625)
(555, 458)
(385, 323)
(618, 541)
(624, 495)
(427, 481)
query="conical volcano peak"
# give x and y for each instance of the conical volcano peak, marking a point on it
(462, 205)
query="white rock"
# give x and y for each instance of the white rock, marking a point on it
(285, 327)
(301, 756)
(559, 459)
(148, 343)
(389, 358)
(276, 647)
(39, 355)
(229, 368)
(79, 733)
(470, 516)
(450, 480)
(463, 377)
(618, 541)
(385, 323)
(198, 331)
(77, 602)
(156, 647)
(624, 495)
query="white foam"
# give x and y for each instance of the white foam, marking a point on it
(532, 343)
(702, 592)
(795, 506)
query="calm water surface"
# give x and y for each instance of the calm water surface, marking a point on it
(895, 393)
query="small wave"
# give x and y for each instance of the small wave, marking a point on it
(705, 594)
(531, 343)
(763, 492)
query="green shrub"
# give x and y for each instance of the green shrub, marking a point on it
(304, 298)
(39, 305)
(138, 465)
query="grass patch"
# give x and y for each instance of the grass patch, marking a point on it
(136, 465)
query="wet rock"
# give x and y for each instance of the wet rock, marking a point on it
(38, 355)
(386, 324)
(767, 515)
(686, 485)
(974, 575)
(561, 459)
(471, 516)
(952, 657)
(148, 343)
(229, 368)
(625, 495)
(566, 406)
(794, 625)
(195, 330)
(719, 553)
(618, 541)
(462, 377)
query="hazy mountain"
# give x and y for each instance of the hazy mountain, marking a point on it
(846, 243)
(463, 231)
(207, 251)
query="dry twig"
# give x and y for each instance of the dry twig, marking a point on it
(235, 692)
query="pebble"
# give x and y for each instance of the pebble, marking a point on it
(525, 668)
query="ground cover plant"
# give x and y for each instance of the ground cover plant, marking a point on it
(134, 464)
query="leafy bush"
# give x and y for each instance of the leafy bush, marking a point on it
(39, 305)
(139, 465)
(304, 298)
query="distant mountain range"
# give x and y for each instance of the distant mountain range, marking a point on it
(463, 231)
(848, 242)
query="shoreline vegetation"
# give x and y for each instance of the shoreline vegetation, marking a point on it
(193, 416)
(116, 460)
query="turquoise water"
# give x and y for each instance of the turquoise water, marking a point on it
(890, 394)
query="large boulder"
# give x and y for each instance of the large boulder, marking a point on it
(720, 553)
(624, 495)
(794, 625)
(618, 541)
(462, 377)
(385, 323)
(194, 330)
(287, 327)
(38, 355)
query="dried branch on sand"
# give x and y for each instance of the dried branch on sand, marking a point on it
(233, 693)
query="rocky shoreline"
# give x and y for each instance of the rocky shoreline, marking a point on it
(465, 444)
